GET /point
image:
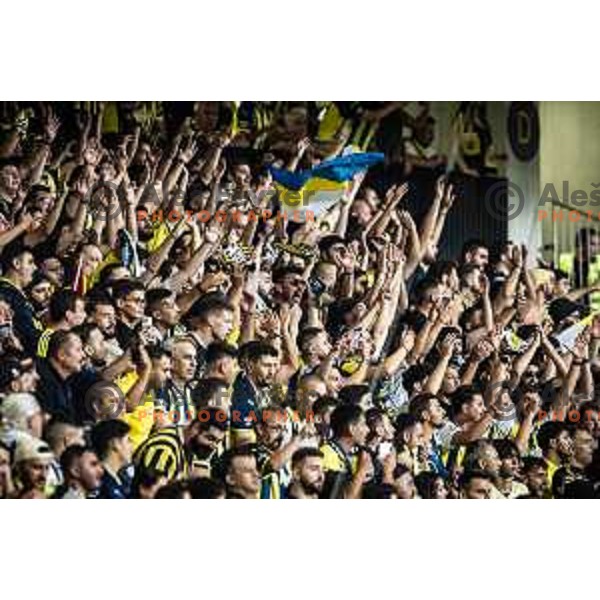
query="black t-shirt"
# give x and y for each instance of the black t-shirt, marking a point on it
(27, 327)
(65, 399)
(124, 334)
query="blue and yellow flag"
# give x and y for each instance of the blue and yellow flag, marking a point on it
(319, 188)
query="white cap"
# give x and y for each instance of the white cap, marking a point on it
(30, 448)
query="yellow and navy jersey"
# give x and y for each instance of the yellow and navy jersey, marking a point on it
(504, 430)
(274, 483)
(44, 342)
(335, 459)
(163, 451)
(411, 459)
(337, 116)
(339, 469)
(255, 117)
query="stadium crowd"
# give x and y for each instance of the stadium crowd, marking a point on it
(143, 356)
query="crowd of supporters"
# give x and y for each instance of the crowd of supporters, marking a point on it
(143, 356)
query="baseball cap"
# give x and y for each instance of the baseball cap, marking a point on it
(30, 448)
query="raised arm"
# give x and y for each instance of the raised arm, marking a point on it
(429, 222)
(184, 156)
(393, 197)
(446, 351)
(212, 237)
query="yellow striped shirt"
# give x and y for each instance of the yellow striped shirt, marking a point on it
(163, 451)
(44, 342)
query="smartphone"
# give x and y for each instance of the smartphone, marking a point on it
(5, 331)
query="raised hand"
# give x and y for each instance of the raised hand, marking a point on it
(482, 350)
(92, 153)
(51, 127)
(346, 260)
(35, 222)
(186, 153)
(449, 197)
(213, 280)
(213, 233)
(440, 186)
(400, 193)
(448, 345)
(269, 324)
(517, 257)
(406, 219)
(131, 196)
(531, 404)
(121, 158)
(581, 348)
(303, 145)
(390, 195)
